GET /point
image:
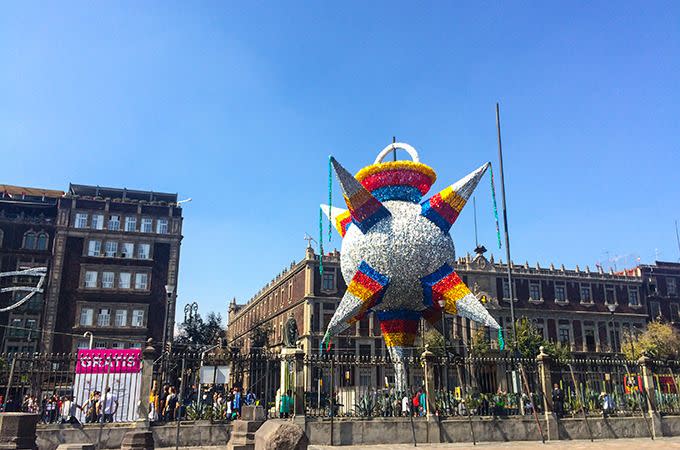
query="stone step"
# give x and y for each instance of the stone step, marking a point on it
(84, 446)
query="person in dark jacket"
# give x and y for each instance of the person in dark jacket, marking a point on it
(558, 401)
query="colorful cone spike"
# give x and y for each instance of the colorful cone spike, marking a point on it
(443, 208)
(364, 292)
(399, 328)
(445, 284)
(365, 209)
(340, 218)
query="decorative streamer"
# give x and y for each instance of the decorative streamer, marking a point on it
(501, 341)
(495, 208)
(330, 196)
(320, 242)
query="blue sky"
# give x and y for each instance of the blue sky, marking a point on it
(238, 105)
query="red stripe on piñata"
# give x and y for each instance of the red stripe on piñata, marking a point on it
(366, 281)
(398, 178)
(344, 224)
(399, 326)
(443, 208)
(446, 283)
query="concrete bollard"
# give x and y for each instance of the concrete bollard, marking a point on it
(17, 431)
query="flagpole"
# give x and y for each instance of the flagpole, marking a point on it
(505, 226)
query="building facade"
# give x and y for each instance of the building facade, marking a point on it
(27, 229)
(589, 311)
(661, 285)
(114, 269)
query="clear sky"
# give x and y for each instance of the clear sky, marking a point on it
(238, 105)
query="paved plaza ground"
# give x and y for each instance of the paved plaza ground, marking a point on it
(621, 444)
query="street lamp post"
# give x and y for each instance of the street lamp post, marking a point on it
(612, 308)
(442, 303)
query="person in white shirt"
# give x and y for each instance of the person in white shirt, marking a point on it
(110, 406)
(404, 406)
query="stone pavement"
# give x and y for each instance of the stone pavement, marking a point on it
(619, 444)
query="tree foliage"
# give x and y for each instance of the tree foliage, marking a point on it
(259, 338)
(479, 345)
(659, 340)
(199, 333)
(528, 339)
(435, 342)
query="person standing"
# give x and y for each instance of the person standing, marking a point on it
(110, 406)
(285, 403)
(171, 405)
(558, 401)
(237, 402)
(405, 410)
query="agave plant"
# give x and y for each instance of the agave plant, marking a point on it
(366, 406)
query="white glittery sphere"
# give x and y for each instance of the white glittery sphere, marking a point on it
(404, 247)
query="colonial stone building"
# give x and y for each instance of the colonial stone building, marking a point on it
(586, 310)
(661, 285)
(27, 228)
(114, 269)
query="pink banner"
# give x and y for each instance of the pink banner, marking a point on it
(109, 360)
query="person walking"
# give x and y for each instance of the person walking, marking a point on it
(285, 404)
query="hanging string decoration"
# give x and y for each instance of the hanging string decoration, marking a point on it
(330, 197)
(397, 254)
(501, 341)
(495, 207)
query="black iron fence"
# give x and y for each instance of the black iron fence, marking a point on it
(214, 386)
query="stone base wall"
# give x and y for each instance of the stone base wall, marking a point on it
(191, 434)
(399, 431)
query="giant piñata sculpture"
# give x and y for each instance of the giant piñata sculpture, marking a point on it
(397, 254)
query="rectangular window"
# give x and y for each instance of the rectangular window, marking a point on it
(328, 283)
(104, 318)
(138, 318)
(100, 345)
(671, 285)
(506, 290)
(143, 251)
(655, 310)
(83, 344)
(586, 296)
(114, 223)
(117, 345)
(535, 290)
(90, 279)
(146, 225)
(107, 280)
(124, 280)
(130, 224)
(564, 336)
(81, 220)
(560, 292)
(136, 345)
(97, 222)
(610, 295)
(675, 312)
(111, 249)
(94, 248)
(121, 317)
(162, 226)
(128, 250)
(141, 281)
(30, 324)
(633, 296)
(86, 315)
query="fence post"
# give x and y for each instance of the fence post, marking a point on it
(428, 359)
(148, 357)
(299, 383)
(648, 385)
(544, 371)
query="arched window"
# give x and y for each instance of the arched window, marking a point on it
(42, 241)
(29, 240)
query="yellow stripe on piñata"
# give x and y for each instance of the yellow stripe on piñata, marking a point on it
(399, 339)
(360, 291)
(454, 294)
(452, 198)
(396, 165)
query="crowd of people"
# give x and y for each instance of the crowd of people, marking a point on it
(64, 409)
(166, 405)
